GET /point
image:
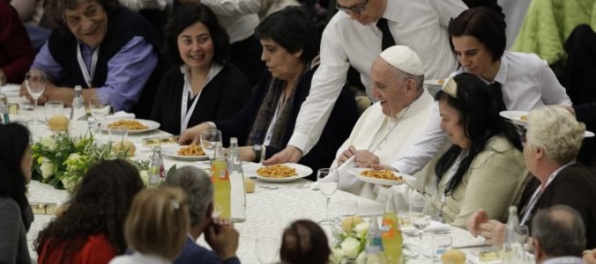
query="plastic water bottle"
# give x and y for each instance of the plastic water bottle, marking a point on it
(511, 246)
(374, 253)
(5, 119)
(77, 112)
(156, 173)
(237, 182)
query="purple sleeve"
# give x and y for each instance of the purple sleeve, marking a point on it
(128, 72)
(45, 62)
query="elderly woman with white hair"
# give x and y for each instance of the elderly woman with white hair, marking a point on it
(551, 145)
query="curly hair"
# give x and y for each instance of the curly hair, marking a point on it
(556, 131)
(14, 141)
(55, 9)
(98, 206)
(187, 16)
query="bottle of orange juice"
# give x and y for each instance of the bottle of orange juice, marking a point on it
(391, 236)
(221, 183)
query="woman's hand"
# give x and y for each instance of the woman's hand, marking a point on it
(493, 231)
(193, 134)
(365, 159)
(479, 217)
(247, 154)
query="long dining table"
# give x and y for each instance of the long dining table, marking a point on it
(270, 208)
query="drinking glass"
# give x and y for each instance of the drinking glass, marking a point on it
(209, 138)
(118, 134)
(327, 188)
(53, 108)
(35, 81)
(419, 219)
(99, 106)
(267, 249)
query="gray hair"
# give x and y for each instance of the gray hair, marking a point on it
(403, 76)
(560, 231)
(197, 186)
(556, 130)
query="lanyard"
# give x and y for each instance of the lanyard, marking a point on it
(450, 175)
(88, 74)
(185, 111)
(538, 193)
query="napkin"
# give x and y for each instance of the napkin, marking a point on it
(341, 171)
(117, 115)
(11, 90)
(433, 227)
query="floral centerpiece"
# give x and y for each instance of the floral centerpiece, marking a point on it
(350, 240)
(61, 160)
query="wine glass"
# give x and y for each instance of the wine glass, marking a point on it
(267, 249)
(327, 188)
(419, 219)
(35, 81)
(208, 140)
(99, 106)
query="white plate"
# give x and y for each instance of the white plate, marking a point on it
(151, 125)
(434, 83)
(516, 116)
(356, 172)
(172, 152)
(588, 134)
(250, 170)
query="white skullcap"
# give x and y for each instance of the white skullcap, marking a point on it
(404, 59)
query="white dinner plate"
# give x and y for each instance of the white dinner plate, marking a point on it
(357, 172)
(250, 170)
(151, 125)
(434, 83)
(172, 152)
(516, 116)
(588, 134)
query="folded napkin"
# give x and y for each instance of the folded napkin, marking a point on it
(117, 115)
(10, 89)
(433, 227)
(340, 172)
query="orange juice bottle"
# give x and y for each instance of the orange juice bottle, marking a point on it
(391, 234)
(221, 183)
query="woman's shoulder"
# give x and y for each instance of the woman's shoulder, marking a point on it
(8, 206)
(521, 61)
(501, 146)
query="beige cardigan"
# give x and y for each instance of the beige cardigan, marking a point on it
(494, 181)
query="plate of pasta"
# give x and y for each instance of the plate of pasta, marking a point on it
(191, 152)
(517, 117)
(383, 177)
(134, 126)
(285, 172)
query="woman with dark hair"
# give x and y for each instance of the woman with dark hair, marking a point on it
(203, 85)
(290, 46)
(91, 228)
(107, 49)
(304, 241)
(485, 167)
(15, 174)
(518, 81)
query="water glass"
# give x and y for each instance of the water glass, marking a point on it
(53, 108)
(209, 138)
(99, 105)
(118, 134)
(441, 244)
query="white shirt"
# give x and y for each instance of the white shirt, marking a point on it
(527, 83)
(371, 132)
(238, 17)
(138, 258)
(419, 24)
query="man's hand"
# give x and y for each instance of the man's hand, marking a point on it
(493, 231)
(347, 154)
(365, 159)
(479, 217)
(47, 95)
(590, 256)
(193, 134)
(222, 238)
(289, 154)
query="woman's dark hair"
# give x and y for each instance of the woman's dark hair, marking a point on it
(14, 142)
(479, 114)
(484, 24)
(99, 206)
(304, 242)
(187, 16)
(293, 29)
(55, 9)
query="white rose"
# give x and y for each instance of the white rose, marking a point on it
(361, 259)
(350, 247)
(337, 254)
(48, 143)
(145, 177)
(47, 169)
(69, 184)
(74, 156)
(361, 228)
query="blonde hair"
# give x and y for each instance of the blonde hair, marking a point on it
(158, 222)
(555, 130)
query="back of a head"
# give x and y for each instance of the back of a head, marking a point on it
(14, 140)
(158, 222)
(556, 130)
(560, 231)
(198, 188)
(293, 29)
(483, 23)
(304, 242)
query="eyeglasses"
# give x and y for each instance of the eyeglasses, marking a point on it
(358, 8)
(522, 138)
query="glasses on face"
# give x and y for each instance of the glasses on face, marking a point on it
(358, 8)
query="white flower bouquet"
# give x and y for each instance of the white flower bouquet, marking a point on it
(350, 240)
